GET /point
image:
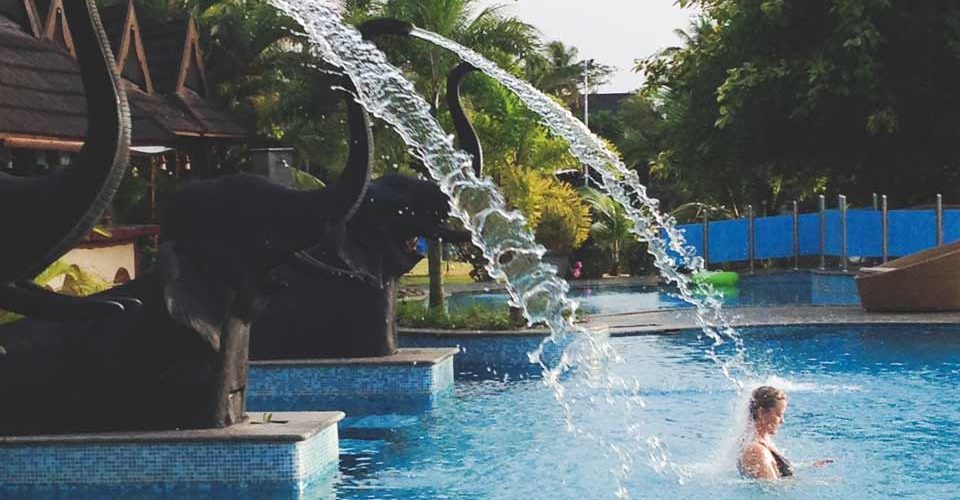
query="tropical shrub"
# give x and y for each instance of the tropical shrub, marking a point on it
(554, 210)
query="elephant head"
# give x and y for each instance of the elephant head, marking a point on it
(51, 214)
(221, 237)
(341, 302)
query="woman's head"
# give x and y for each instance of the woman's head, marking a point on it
(767, 406)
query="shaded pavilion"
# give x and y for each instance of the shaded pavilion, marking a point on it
(177, 129)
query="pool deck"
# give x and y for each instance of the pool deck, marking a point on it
(675, 320)
(493, 286)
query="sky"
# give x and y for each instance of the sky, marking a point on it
(612, 32)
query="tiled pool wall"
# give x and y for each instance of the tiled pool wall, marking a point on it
(490, 355)
(361, 387)
(52, 465)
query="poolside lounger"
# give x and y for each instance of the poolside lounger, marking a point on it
(923, 281)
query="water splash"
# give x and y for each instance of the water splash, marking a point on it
(509, 247)
(624, 186)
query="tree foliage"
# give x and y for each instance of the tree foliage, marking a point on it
(772, 99)
(554, 211)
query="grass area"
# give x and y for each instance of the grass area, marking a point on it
(415, 314)
(454, 273)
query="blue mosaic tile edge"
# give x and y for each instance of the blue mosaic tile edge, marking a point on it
(361, 388)
(490, 355)
(281, 464)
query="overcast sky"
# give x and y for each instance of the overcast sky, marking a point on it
(612, 32)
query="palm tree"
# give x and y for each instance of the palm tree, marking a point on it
(556, 70)
(612, 227)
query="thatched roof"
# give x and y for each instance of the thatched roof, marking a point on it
(40, 89)
(175, 61)
(41, 94)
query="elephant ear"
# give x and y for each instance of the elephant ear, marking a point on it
(191, 299)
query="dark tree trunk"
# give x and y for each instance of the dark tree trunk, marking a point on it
(434, 267)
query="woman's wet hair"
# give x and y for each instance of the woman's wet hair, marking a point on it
(764, 398)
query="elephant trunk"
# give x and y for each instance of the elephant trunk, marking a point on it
(49, 215)
(466, 134)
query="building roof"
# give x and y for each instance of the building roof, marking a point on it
(40, 89)
(41, 93)
(22, 12)
(607, 102)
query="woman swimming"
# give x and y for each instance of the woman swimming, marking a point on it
(760, 458)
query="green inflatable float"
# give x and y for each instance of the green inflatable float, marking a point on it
(720, 279)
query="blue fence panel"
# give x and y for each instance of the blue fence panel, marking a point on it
(912, 231)
(728, 240)
(833, 232)
(864, 233)
(773, 237)
(810, 234)
(951, 226)
(692, 236)
(909, 231)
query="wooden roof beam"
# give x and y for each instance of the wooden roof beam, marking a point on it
(192, 57)
(131, 38)
(56, 18)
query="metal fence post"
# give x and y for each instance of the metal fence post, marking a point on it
(706, 239)
(939, 220)
(750, 241)
(884, 229)
(875, 201)
(823, 232)
(842, 201)
(796, 236)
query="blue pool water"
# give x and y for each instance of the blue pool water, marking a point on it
(799, 288)
(880, 400)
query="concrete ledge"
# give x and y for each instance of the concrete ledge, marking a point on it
(286, 452)
(672, 321)
(410, 381)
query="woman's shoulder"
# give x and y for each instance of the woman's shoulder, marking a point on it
(754, 456)
(755, 448)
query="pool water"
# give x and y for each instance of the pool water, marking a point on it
(800, 288)
(881, 401)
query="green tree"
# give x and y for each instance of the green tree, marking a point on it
(770, 99)
(612, 229)
(556, 70)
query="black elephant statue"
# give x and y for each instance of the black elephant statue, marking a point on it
(345, 306)
(349, 310)
(179, 361)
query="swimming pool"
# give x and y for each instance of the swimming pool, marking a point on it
(881, 401)
(799, 288)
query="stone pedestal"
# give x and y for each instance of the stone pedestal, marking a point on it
(282, 451)
(407, 382)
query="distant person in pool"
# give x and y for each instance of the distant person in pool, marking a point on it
(760, 458)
